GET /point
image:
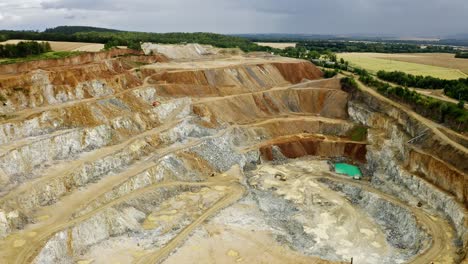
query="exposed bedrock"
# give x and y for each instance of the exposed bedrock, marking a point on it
(52, 85)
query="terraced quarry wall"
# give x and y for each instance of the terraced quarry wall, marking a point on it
(407, 153)
(112, 161)
(84, 58)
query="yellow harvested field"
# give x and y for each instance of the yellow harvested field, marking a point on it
(65, 46)
(277, 45)
(429, 64)
(434, 59)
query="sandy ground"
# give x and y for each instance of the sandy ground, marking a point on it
(277, 45)
(222, 242)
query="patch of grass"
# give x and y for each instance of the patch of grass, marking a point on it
(21, 89)
(44, 56)
(358, 133)
(374, 65)
(139, 63)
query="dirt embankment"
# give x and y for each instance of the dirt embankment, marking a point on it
(441, 160)
(300, 146)
(431, 138)
(439, 173)
(245, 108)
(234, 79)
(296, 73)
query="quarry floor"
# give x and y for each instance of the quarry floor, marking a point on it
(263, 218)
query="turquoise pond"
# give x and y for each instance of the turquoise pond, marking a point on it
(348, 169)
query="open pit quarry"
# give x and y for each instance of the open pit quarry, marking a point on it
(193, 154)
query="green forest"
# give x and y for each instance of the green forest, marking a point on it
(457, 89)
(127, 38)
(75, 29)
(453, 115)
(461, 55)
(379, 47)
(24, 49)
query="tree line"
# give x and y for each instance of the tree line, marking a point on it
(457, 89)
(461, 55)
(378, 47)
(24, 49)
(453, 115)
(127, 38)
(76, 29)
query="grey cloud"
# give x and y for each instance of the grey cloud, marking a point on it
(82, 5)
(403, 17)
(69, 17)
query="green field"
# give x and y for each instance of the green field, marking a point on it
(44, 56)
(372, 64)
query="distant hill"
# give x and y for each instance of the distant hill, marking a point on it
(278, 37)
(461, 36)
(69, 30)
(130, 38)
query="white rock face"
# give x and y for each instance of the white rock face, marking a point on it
(179, 51)
(4, 226)
(100, 89)
(386, 156)
(168, 108)
(55, 251)
(148, 94)
(60, 145)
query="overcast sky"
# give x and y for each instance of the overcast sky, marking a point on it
(397, 17)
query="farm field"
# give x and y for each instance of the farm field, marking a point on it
(434, 59)
(66, 46)
(437, 65)
(277, 45)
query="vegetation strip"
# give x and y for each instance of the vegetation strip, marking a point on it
(450, 114)
(24, 49)
(457, 89)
